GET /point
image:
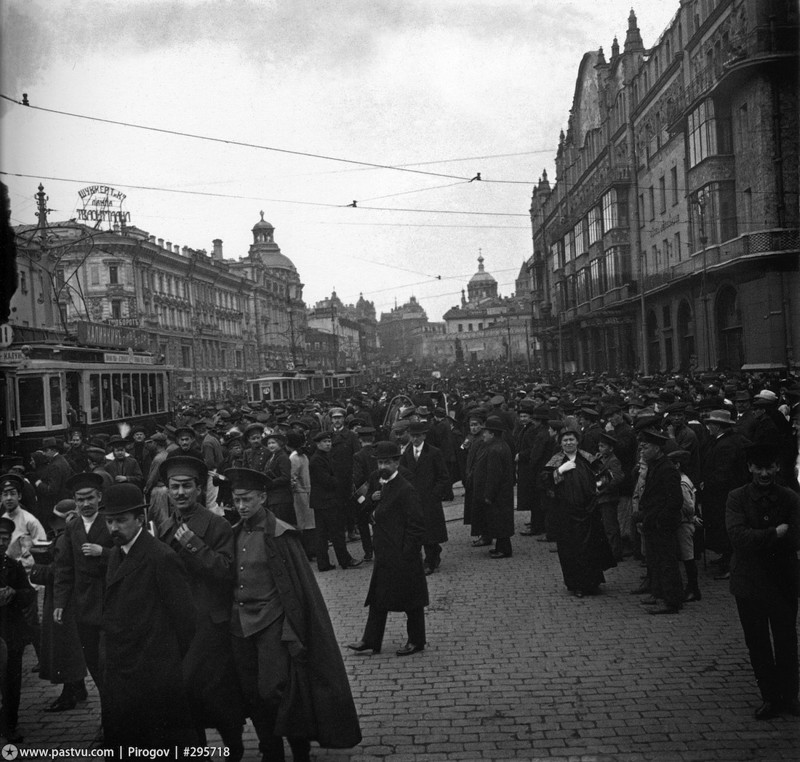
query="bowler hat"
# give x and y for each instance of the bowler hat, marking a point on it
(181, 430)
(387, 451)
(7, 525)
(85, 480)
(122, 498)
(653, 436)
(418, 427)
(49, 443)
(247, 479)
(541, 413)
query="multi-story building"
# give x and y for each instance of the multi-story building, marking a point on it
(353, 328)
(669, 240)
(214, 321)
(396, 328)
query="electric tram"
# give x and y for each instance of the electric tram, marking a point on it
(283, 387)
(48, 388)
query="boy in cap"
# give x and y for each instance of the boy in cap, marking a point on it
(763, 523)
(288, 661)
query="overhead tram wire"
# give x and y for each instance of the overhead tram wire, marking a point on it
(275, 149)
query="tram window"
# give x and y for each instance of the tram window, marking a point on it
(266, 391)
(94, 398)
(129, 407)
(160, 392)
(256, 391)
(116, 395)
(56, 409)
(31, 402)
(105, 412)
(151, 391)
(74, 398)
(137, 393)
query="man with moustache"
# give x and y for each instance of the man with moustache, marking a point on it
(398, 576)
(763, 523)
(287, 659)
(148, 624)
(203, 542)
(81, 569)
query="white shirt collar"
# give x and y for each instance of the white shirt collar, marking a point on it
(386, 481)
(126, 548)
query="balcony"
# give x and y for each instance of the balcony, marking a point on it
(716, 256)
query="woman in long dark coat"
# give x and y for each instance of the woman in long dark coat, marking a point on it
(583, 549)
(280, 499)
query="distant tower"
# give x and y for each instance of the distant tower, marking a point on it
(481, 285)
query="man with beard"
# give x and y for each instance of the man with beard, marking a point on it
(81, 570)
(763, 522)
(148, 624)
(431, 479)
(204, 544)
(124, 468)
(398, 577)
(288, 661)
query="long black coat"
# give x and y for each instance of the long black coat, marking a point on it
(493, 499)
(80, 581)
(149, 622)
(280, 499)
(533, 452)
(661, 500)
(431, 479)
(398, 580)
(208, 668)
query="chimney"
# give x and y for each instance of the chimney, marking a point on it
(185, 251)
(161, 242)
(217, 254)
(169, 245)
(177, 249)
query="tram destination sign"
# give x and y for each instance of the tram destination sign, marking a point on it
(111, 336)
(121, 357)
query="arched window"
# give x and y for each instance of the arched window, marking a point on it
(728, 315)
(685, 335)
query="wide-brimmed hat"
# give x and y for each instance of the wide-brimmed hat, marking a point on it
(722, 417)
(122, 498)
(494, 423)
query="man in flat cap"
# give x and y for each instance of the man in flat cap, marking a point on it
(659, 513)
(16, 595)
(763, 522)
(80, 569)
(203, 542)
(288, 661)
(148, 624)
(398, 577)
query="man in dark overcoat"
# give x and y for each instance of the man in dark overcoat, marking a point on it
(80, 569)
(124, 468)
(493, 512)
(530, 465)
(763, 522)
(722, 469)
(431, 479)
(148, 624)
(288, 661)
(203, 542)
(398, 577)
(660, 515)
(344, 445)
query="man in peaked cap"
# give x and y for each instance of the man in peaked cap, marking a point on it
(763, 523)
(124, 467)
(203, 542)
(288, 661)
(80, 569)
(148, 623)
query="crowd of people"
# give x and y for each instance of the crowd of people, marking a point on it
(161, 552)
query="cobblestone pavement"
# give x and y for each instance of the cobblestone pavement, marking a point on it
(516, 668)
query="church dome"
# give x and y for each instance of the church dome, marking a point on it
(267, 250)
(482, 277)
(481, 285)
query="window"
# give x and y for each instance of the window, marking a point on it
(186, 357)
(702, 133)
(461, 328)
(23, 282)
(743, 126)
(662, 193)
(580, 238)
(617, 267)
(652, 198)
(674, 179)
(597, 281)
(677, 246)
(595, 225)
(557, 254)
(116, 309)
(610, 211)
(641, 210)
(713, 213)
(667, 253)
(469, 327)
(31, 402)
(747, 209)
(569, 245)
(94, 275)
(113, 274)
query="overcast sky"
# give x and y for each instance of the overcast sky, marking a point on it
(442, 86)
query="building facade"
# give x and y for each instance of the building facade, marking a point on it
(353, 329)
(669, 240)
(396, 329)
(214, 321)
